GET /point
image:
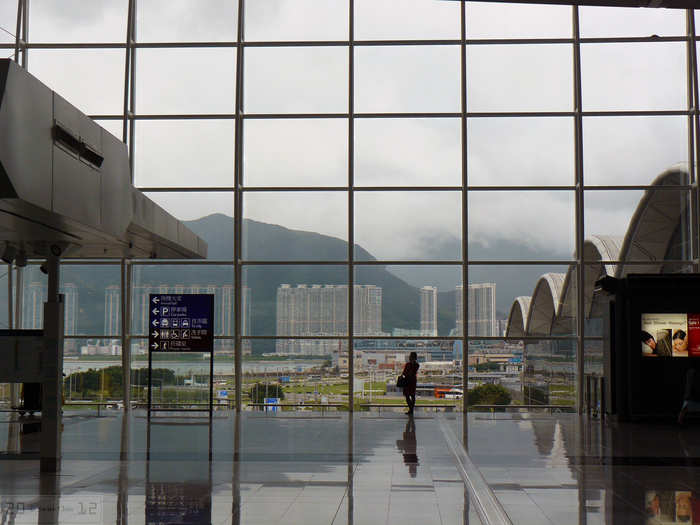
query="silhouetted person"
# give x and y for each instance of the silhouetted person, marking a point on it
(410, 372)
(408, 447)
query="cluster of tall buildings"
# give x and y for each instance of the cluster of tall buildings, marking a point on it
(322, 310)
(33, 300)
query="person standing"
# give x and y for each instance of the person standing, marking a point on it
(410, 372)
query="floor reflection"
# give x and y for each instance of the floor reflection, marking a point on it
(301, 468)
(407, 446)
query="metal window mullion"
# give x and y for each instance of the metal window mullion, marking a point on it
(18, 29)
(238, 210)
(465, 209)
(694, 130)
(125, 303)
(127, 70)
(580, 233)
(10, 317)
(25, 33)
(131, 30)
(351, 208)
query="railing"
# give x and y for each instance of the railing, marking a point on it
(322, 406)
(552, 408)
(449, 407)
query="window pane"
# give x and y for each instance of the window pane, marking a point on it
(34, 290)
(632, 225)
(408, 225)
(205, 81)
(92, 300)
(314, 152)
(296, 300)
(630, 21)
(77, 21)
(520, 78)
(549, 373)
(596, 306)
(553, 288)
(191, 207)
(420, 303)
(494, 20)
(639, 76)
(186, 21)
(8, 25)
(183, 279)
(521, 225)
(409, 79)
(632, 150)
(408, 152)
(277, 20)
(115, 127)
(520, 151)
(100, 90)
(406, 19)
(296, 80)
(295, 226)
(4, 316)
(184, 153)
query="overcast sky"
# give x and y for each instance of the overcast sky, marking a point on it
(391, 152)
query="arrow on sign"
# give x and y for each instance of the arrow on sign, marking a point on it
(155, 322)
(156, 300)
(154, 346)
(155, 333)
(155, 311)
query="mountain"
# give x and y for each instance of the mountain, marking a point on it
(269, 242)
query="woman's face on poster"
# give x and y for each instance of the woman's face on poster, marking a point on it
(680, 344)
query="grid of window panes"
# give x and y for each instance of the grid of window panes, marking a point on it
(395, 148)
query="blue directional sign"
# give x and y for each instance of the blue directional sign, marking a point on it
(181, 323)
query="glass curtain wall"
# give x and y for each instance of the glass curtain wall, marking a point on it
(354, 165)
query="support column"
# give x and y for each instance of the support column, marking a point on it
(52, 372)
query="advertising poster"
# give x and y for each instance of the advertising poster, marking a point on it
(694, 335)
(665, 335)
(671, 506)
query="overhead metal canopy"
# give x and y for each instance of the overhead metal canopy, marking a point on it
(65, 183)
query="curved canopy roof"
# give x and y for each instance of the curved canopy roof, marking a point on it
(518, 316)
(545, 303)
(652, 235)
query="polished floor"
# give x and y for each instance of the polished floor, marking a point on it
(305, 468)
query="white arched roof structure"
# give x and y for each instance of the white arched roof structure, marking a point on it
(651, 235)
(518, 317)
(545, 302)
(654, 223)
(596, 248)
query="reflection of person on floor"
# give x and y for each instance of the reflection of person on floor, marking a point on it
(691, 395)
(408, 447)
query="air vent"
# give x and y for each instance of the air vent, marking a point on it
(69, 142)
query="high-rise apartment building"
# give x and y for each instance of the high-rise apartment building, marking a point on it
(481, 310)
(113, 311)
(33, 306)
(322, 310)
(428, 311)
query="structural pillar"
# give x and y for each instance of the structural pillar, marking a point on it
(52, 372)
